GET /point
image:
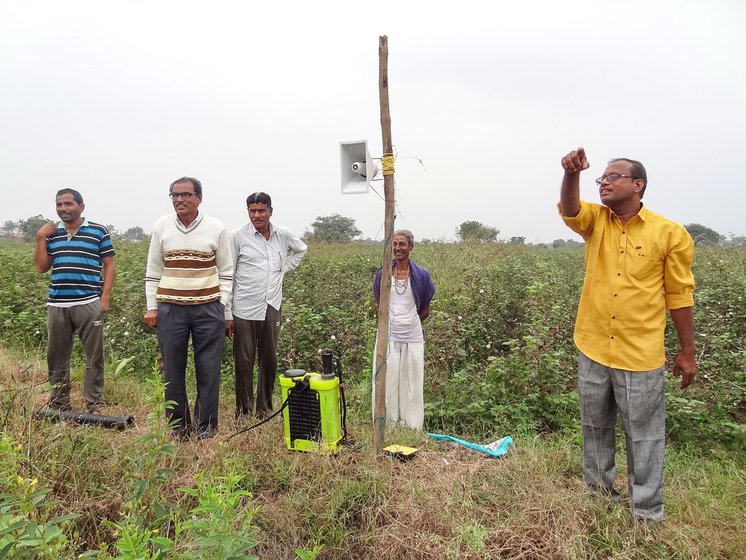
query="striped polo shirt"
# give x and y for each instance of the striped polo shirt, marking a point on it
(76, 263)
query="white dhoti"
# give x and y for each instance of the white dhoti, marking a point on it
(405, 376)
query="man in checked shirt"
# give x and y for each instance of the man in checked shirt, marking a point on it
(262, 254)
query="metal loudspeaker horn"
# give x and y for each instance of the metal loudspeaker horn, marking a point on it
(357, 168)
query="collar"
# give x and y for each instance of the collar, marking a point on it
(256, 231)
(194, 224)
(61, 224)
(643, 213)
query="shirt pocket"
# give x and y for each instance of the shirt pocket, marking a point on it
(275, 261)
(642, 267)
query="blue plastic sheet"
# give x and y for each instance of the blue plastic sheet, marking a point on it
(497, 448)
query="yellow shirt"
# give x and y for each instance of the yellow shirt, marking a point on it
(633, 272)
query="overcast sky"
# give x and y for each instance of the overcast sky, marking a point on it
(119, 99)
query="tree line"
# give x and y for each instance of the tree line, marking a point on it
(336, 228)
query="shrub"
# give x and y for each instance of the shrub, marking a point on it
(499, 348)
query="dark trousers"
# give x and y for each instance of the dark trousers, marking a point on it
(206, 325)
(62, 322)
(252, 338)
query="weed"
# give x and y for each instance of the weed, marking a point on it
(26, 528)
(219, 527)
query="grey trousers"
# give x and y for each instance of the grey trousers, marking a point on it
(639, 397)
(206, 325)
(252, 338)
(62, 323)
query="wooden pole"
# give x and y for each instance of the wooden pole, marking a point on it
(379, 420)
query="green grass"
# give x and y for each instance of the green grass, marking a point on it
(447, 502)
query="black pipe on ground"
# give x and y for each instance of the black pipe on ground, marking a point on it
(118, 422)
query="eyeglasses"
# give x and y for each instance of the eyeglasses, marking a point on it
(611, 177)
(184, 195)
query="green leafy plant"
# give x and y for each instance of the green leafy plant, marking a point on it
(26, 528)
(220, 526)
(146, 511)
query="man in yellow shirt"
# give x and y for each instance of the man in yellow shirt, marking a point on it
(637, 265)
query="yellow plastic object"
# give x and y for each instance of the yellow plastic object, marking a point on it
(311, 418)
(401, 452)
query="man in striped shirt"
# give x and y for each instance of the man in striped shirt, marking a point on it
(76, 250)
(187, 289)
(262, 254)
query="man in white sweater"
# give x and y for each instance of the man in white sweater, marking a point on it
(188, 285)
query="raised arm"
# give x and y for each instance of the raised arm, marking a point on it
(42, 261)
(573, 163)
